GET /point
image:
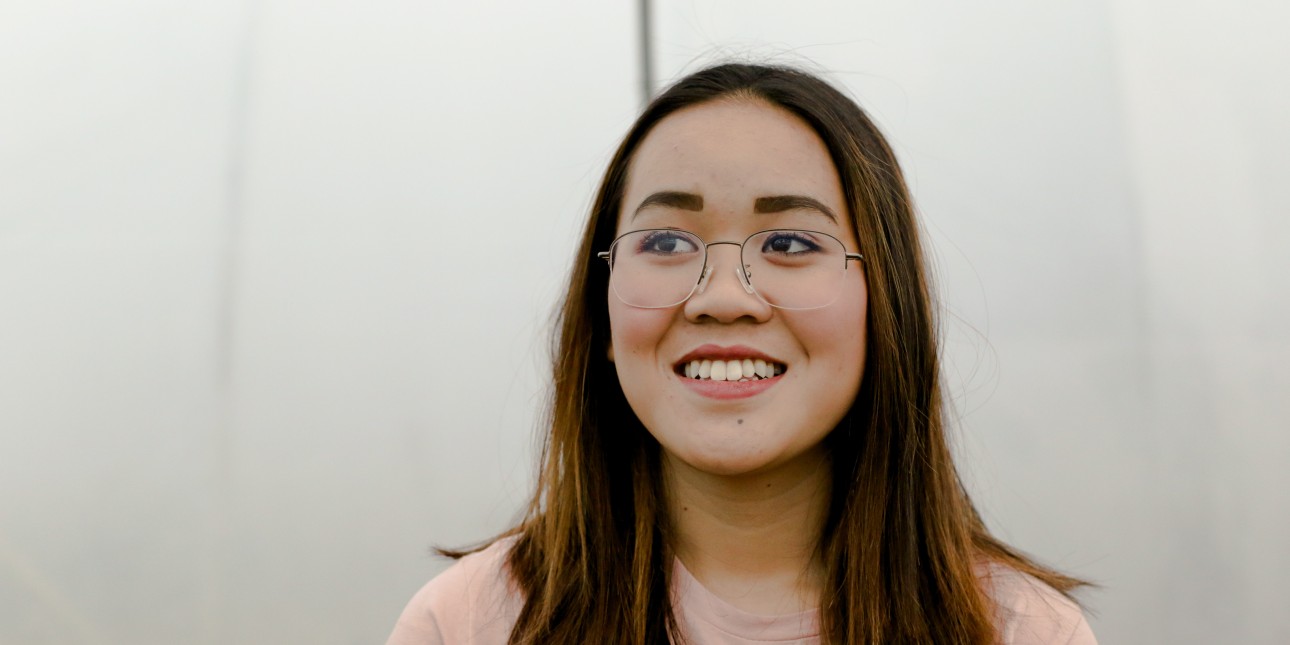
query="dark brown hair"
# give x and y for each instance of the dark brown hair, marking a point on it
(901, 538)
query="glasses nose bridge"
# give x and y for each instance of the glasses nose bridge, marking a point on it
(740, 245)
(708, 266)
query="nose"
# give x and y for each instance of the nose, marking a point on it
(723, 293)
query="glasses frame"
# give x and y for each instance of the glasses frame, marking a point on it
(706, 270)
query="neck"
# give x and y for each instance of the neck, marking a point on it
(752, 539)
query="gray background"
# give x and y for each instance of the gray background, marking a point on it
(275, 280)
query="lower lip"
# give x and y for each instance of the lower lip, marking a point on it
(730, 389)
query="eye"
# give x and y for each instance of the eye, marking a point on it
(667, 243)
(789, 243)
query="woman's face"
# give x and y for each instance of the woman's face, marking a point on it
(720, 161)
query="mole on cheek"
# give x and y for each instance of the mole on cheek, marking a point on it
(740, 422)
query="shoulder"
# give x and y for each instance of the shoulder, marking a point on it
(474, 602)
(1028, 611)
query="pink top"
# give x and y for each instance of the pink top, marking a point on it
(475, 602)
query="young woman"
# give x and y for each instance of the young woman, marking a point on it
(747, 435)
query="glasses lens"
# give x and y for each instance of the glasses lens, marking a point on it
(795, 269)
(655, 268)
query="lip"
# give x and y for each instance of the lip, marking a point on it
(730, 390)
(726, 390)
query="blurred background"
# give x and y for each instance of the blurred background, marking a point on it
(276, 279)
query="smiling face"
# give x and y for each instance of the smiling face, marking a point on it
(724, 170)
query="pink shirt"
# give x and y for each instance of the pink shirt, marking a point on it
(475, 602)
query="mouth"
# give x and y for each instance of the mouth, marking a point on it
(736, 364)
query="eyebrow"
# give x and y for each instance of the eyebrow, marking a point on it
(781, 203)
(772, 204)
(672, 199)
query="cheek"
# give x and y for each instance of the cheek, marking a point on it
(636, 333)
(636, 336)
(835, 340)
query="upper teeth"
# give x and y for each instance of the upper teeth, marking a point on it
(739, 370)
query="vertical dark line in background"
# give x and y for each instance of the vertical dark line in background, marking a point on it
(234, 204)
(229, 259)
(646, 51)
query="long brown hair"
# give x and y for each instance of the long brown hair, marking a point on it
(901, 537)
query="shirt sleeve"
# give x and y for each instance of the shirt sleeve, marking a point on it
(1029, 612)
(473, 602)
(419, 622)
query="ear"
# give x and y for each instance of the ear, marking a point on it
(609, 352)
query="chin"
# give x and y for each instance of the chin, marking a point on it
(723, 464)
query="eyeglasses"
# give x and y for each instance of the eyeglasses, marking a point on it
(785, 268)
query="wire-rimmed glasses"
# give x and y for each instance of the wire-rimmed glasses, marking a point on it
(785, 268)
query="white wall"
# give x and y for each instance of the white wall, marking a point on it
(275, 279)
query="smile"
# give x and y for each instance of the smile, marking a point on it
(728, 372)
(731, 370)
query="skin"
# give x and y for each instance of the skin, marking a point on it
(747, 479)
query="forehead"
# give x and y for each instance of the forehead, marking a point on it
(730, 152)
